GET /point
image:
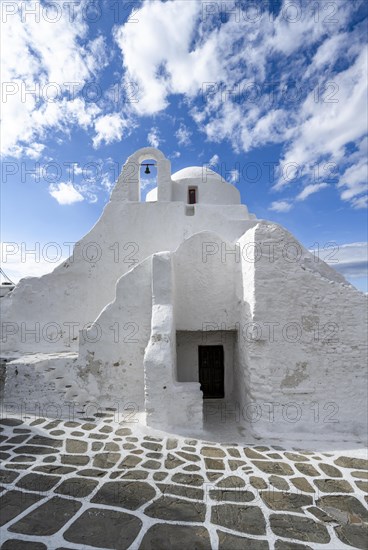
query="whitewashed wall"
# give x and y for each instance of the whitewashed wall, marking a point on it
(205, 283)
(315, 385)
(168, 403)
(111, 352)
(56, 306)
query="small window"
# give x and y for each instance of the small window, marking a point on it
(192, 195)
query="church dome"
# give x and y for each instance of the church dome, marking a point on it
(199, 173)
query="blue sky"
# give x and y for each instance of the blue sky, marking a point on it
(271, 94)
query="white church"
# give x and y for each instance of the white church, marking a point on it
(184, 299)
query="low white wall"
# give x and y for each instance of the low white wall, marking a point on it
(168, 404)
(41, 385)
(111, 352)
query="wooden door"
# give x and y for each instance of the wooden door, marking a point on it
(211, 371)
(192, 196)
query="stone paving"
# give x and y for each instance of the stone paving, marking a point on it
(96, 483)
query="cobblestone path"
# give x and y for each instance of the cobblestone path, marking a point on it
(100, 484)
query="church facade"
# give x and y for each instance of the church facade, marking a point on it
(187, 298)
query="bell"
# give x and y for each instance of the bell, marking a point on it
(147, 170)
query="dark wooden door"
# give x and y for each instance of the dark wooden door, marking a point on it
(192, 196)
(211, 371)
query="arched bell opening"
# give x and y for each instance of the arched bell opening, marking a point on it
(142, 169)
(148, 178)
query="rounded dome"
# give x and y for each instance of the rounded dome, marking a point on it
(201, 173)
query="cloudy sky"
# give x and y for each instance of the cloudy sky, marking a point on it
(272, 94)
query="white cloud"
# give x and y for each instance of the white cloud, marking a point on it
(160, 59)
(17, 270)
(34, 150)
(210, 61)
(65, 193)
(80, 113)
(350, 259)
(109, 128)
(281, 206)
(18, 264)
(164, 61)
(183, 135)
(287, 205)
(214, 161)
(90, 179)
(353, 181)
(44, 68)
(153, 137)
(334, 47)
(107, 182)
(271, 127)
(325, 128)
(148, 184)
(297, 27)
(329, 50)
(234, 176)
(309, 190)
(360, 202)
